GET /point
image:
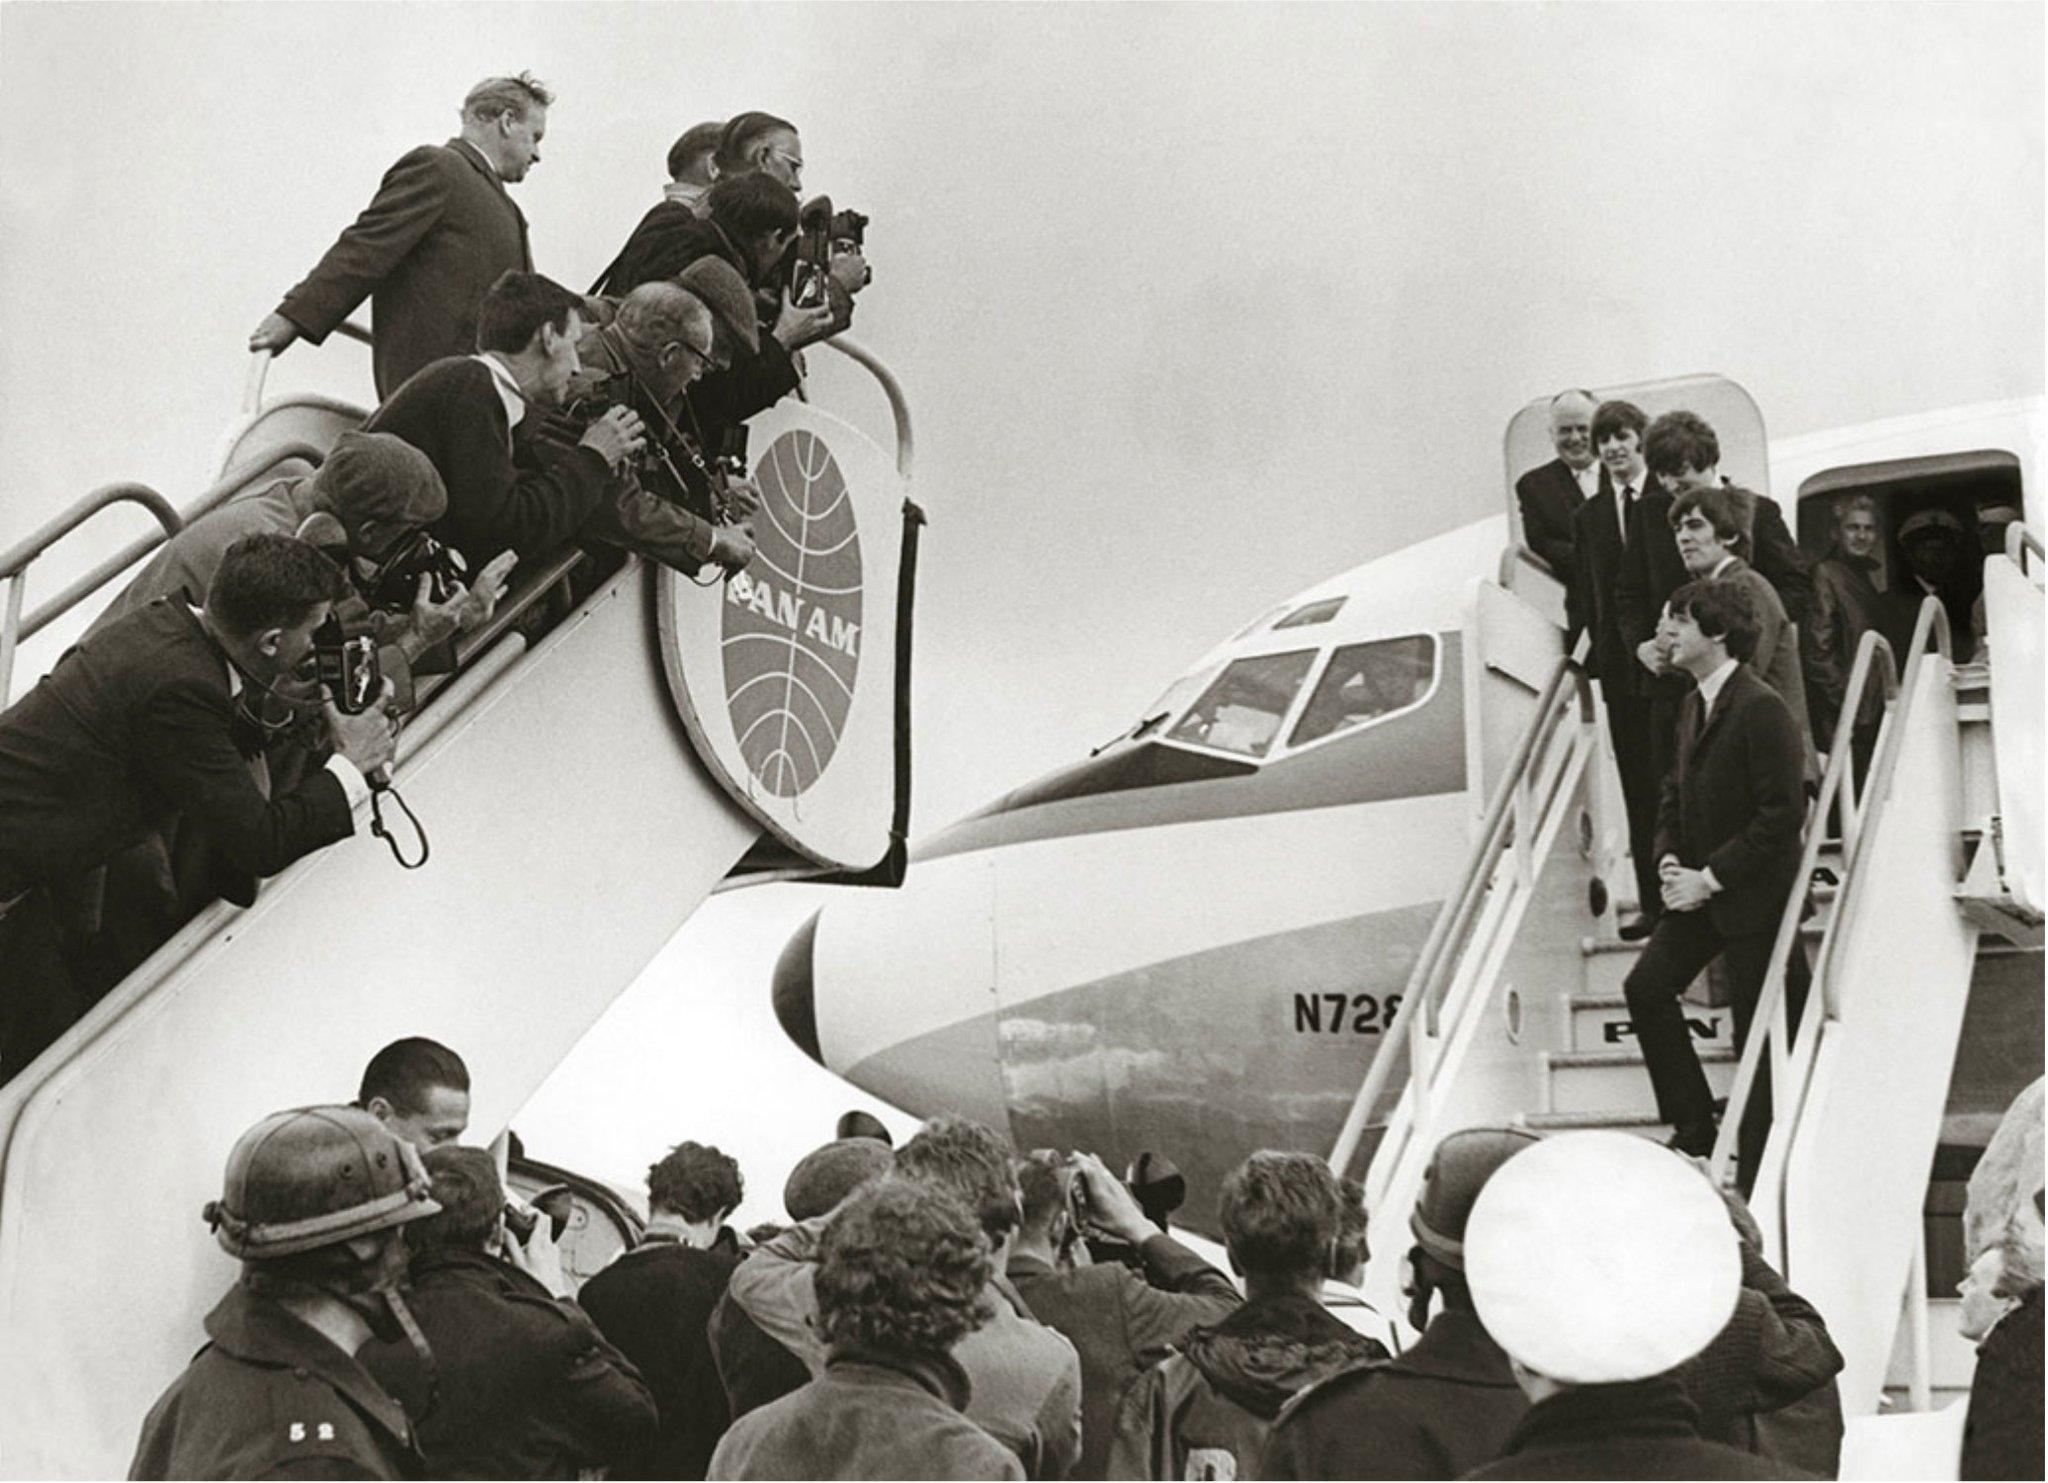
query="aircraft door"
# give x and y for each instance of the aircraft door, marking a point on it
(1725, 406)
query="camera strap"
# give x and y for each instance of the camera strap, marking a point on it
(383, 832)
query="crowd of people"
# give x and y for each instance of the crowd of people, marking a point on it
(239, 697)
(1723, 656)
(1588, 1305)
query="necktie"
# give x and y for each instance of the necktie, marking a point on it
(1628, 495)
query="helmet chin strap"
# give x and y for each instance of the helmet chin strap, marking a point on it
(384, 1309)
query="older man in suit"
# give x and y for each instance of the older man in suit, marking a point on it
(434, 238)
(1548, 494)
(148, 722)
(1727, 850)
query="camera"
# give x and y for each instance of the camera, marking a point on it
(348, 667)
(555, 1202)
(822, 235)
(395, 583)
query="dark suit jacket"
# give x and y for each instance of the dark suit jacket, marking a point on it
(1597, 556)
(1653, 570)
(452, 412)
(432, 241)
(131, 730)
(1548, 495)
(1735, 801)
(523, 1384)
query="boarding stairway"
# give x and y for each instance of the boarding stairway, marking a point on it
(573, 829)
(1514, 1011)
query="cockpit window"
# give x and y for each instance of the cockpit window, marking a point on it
(1315, 612)
(1364, 682)
(1242, 711)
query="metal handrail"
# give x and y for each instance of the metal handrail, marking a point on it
(2019, 541)
(1873, 656)
(899, 406)
(1792, 1067)
(259, 365)
(212, 498)
(1425, 981)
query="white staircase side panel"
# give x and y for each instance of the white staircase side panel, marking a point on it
(2012, 612)
(573, 831)
(1864, 1139)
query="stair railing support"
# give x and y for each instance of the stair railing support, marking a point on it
(1422, 1001)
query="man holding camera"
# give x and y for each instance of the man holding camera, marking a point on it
(153, 720)
(365, 506)
(461, 412)
(523, 1385)
(673, 504)
(1117, 1319)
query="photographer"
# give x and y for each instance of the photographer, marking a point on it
(1117, 1319)
(461, 412)
(672, 503)
(377, 493)
(151, 721)
(747, 224)
(523, 1385)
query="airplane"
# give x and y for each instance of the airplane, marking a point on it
(1207, 936)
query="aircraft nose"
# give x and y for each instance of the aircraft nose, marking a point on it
(795, 990)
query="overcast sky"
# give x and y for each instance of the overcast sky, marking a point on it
(1195, 306)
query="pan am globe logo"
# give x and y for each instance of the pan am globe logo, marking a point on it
(791, 634)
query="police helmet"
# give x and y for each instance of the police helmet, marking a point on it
(1459, 1168)
(316, 1177)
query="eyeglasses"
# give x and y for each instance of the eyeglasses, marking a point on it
(710, 362)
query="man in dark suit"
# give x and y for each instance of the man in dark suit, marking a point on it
(1684, 453)
(1548, 494)
(462, 411)
(1728, 841)
(150, 721)
(437, 234)
(1599, 545)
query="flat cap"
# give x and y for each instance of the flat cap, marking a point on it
(827, 1175)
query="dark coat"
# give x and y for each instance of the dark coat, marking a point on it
(432, 241)
(1774, 1352)
(271, 1397)
(1735, 802)
(133, 729)
(1776, 660)
(754, 1368)
(655, 1304)
(1209, 1406)
(1437, 1411)
(662, 507)
(524, 1385)
(1643, 1429)
(1846, 605)
(1548, 497)
(2002, 1434)
(1652, 570)
(869, 1415)
(1121, 1323)
(1597, 558)
(452, 412)
(668, 239)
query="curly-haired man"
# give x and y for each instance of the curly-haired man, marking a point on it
(901, 1278)
(655, 1301)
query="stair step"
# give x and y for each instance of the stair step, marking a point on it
(1606, 1081)
(1601, 1022)
(1645, 1123)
